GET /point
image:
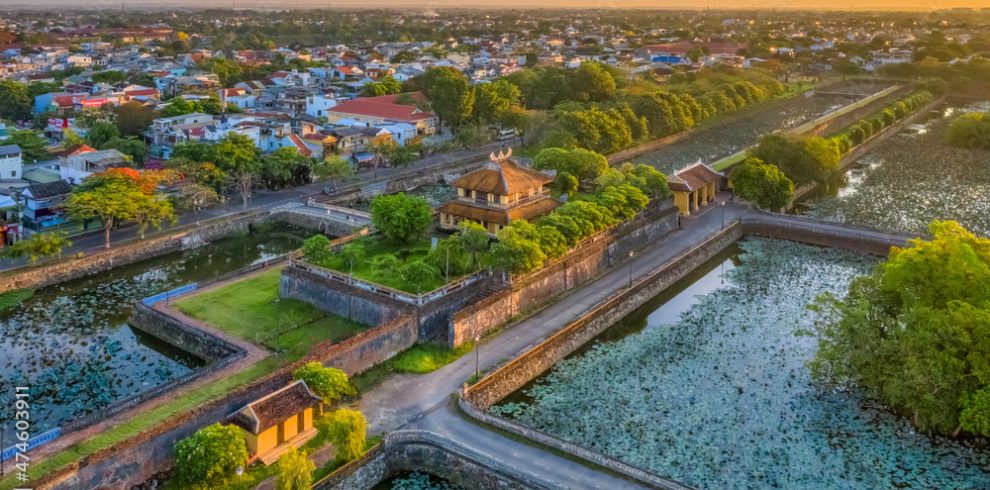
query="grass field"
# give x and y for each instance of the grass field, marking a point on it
(419, 359)
(246, 309)
(251, 309)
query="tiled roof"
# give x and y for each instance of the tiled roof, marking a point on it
(473, 213)
(49, 189)
(8, 150)
(693, 177)
(503, 177)
(268, 411)
(381, 109)
(533, 209)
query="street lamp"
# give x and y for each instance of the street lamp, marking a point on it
(723, 214)
(631, 253)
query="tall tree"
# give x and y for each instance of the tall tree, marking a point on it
(762, 184)
(450, 94)
(236, 155)
(15, 101)
(400, 217)
(915, 333)
(294, 470)
(133, 118)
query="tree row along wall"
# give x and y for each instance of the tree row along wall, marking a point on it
(654, 145)
(136, 251)
(836, 123)
(578, 267)
(140, 457)
(537, 360)
(867, 146)
(423, 451)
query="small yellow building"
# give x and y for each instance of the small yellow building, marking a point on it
(498, 193)
(694, 187)
(278, 421)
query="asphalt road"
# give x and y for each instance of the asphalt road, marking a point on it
(93, 241)
(410, 401)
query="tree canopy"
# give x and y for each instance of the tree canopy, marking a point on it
(400, 217)
(328, 383)
(971, 131)
(803, 160)
(209, 457)
(915, 333)
(762, 184)
(450, 94)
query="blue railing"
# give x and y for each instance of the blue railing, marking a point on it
(167, 295)
(44, 437)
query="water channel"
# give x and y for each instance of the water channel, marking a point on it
(911, 179)
(708, 385)
(724, 139)
(72, 346)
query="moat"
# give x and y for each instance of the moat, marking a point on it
(911, 179)
(71, 343)
(708, 385)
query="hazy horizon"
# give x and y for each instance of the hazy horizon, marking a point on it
(846, 5)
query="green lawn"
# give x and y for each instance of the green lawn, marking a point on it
(245, 308)
(419, 359)
(251, 309)
(374, 247)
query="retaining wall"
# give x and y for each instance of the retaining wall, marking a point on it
(135, 251)
(823, 233)
(427, 452)
(578, 267)
(138, 458)
(176, 333)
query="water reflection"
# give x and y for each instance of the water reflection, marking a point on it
(71, 344)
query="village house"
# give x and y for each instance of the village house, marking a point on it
(498, 193)
(376, 111)
(274, 423)
(11, 163)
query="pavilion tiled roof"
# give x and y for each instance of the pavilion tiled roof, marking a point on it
(503, 177)
(693, 177)
(276, 407)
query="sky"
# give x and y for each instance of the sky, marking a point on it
(442, 4)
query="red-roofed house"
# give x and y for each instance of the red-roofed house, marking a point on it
(383, 110)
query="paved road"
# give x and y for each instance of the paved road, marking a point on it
(410, 401)
(91, 242)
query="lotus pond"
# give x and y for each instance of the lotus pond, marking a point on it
(71, 343)
(911, 179)
(722, 140)
(709, 386)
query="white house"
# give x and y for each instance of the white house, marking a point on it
(318, 105)
(11, 163)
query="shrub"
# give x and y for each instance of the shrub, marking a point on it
(294, 471)
(970, 131)
(346, 431)
(567, 183)
(210, 456)
(418, 274)
(388, 263)
(316, 249)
